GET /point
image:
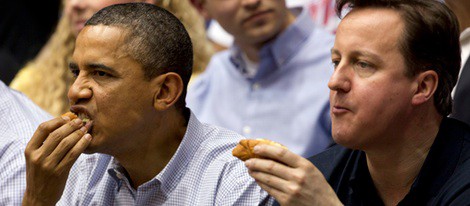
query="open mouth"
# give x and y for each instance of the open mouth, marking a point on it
(84, 115)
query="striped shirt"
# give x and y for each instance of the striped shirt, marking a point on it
(19, 118)
(201, 172)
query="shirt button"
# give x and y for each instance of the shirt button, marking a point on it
(119, 175)
(246, 129)
(256, 86)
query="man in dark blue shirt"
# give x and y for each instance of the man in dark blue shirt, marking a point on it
(396, 62)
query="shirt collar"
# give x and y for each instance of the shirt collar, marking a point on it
(465, 35)
(169, 177)
(438, 166)
(283, 48)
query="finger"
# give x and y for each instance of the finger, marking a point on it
(279, 154)
(270, 167)
(269, 180)
(66, 145)
(44, 130)
(69, 159)
(59, 134)
(277, 194)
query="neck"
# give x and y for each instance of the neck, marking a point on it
(145, 162)
(393, 169)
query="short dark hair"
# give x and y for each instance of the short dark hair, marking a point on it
(430, 41)
(157, 40)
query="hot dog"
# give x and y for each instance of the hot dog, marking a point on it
(244, 149)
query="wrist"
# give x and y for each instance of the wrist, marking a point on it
(32, 200)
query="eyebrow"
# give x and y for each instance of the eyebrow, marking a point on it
(360, 53)
(100, 66)
(73, 65)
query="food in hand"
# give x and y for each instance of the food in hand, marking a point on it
(72, 116)
(244, 149)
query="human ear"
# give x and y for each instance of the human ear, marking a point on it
(426, 87)
(201, 8)
(170, 88)
(148, 1)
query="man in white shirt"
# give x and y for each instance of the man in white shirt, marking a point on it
(19, 117)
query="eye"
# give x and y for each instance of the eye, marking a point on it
(363, 68)
(363, 65)
(335, 63)
(75, 72)
(100, 73)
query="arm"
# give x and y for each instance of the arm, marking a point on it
(50, 154)
(289, 178)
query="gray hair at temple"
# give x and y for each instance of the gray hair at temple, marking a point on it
(156, 39)
(430, 41)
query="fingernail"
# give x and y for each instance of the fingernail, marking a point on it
(66, 118)
(87, 136)
(77, 121)
(247, 163)
(84, 129)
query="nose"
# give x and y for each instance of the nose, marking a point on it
(80, 91)
(341, 79)
(251, 4)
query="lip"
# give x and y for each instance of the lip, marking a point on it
(256, 16)
(80, 110)
(338, 109)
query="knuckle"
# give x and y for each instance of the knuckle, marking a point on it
(282, 152)
(43, 127)
(72, 154)
(300, 177)
(48, 167)
(271, 166)
(54, 136)
(34, 159)
(294, 190)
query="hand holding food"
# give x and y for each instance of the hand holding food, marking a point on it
(50, 154)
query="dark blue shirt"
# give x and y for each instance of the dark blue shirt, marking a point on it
(444, 178)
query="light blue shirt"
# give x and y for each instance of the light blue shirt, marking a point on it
(19, 118)
(201, 172)
(286, 100)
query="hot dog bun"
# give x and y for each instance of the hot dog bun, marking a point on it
(244, 149)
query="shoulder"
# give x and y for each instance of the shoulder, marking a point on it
(456, 191)
(219, 142)
(215, 71)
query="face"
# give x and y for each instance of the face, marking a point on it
(79, 11)
(249, 21)
(370, 95)
(110, 89)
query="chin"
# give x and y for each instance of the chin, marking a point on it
(346, 139)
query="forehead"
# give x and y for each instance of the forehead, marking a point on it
(101, 41)
(377, 28)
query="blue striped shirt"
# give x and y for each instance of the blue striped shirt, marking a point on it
(19, 118)
(201, 172)
(285, 101)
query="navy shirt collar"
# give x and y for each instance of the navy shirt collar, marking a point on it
(438, 166)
